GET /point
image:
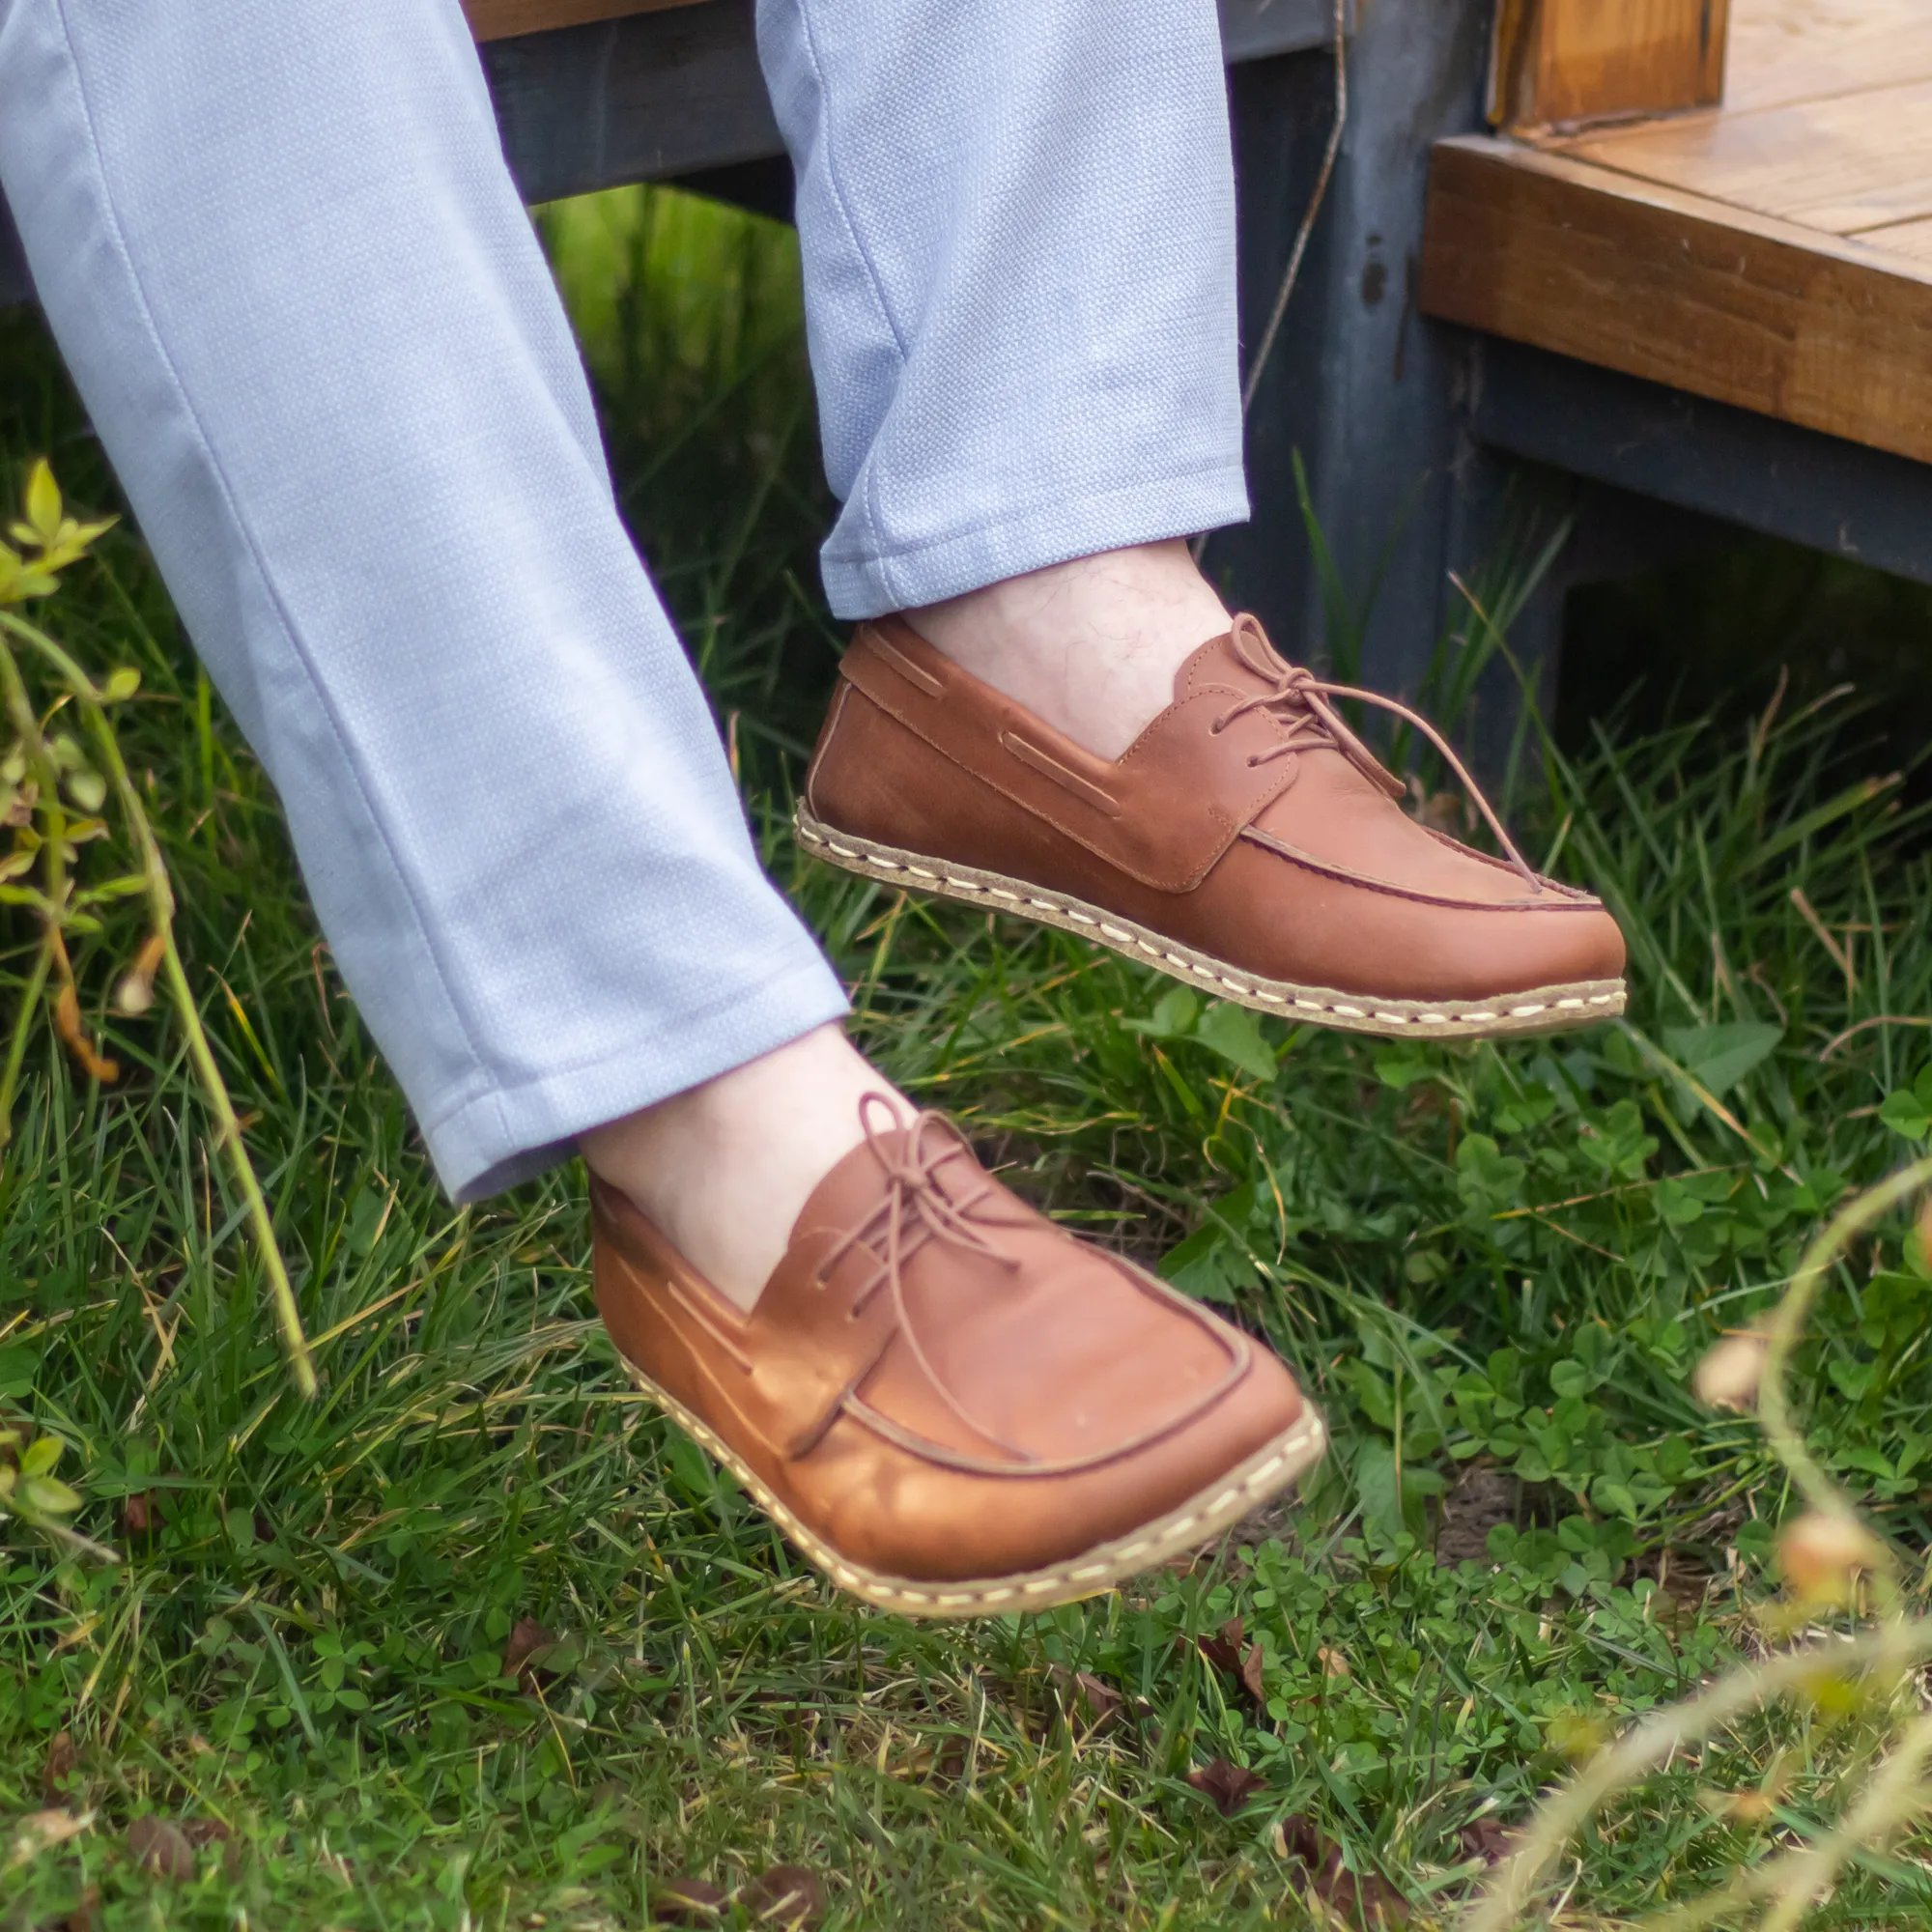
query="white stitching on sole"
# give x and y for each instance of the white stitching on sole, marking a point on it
(1294, 1452)
(1071, 914)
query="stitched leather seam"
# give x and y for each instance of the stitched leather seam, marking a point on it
(1369, 883)
(1228, 830)
(915, 676)
(841, 692)
(1238, 1350)
(1496, 865)
(1047, 766)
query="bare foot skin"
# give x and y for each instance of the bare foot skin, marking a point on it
(723, 1169)
(1092, 646)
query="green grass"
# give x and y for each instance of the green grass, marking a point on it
(1495, 1266)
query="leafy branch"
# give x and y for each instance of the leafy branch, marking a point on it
(53, 790)
(1831, 1559)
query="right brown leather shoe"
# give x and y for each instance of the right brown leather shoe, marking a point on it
(1247, 842)
(950, 1405)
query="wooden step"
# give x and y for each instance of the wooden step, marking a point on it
(1776, 253)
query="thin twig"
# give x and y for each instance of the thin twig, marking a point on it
(1897, 1642)
(1781, 1334)
(1831, 1045)
(1840, 958)
(17, 1046)
(160, 899)
(1649, 1744)
(1330, 154)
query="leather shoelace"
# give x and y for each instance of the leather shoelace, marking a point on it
(916, 1209)
(1299, 700)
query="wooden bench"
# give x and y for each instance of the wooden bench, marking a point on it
(1546, 238)
(594, 94)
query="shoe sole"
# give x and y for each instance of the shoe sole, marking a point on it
(1545, 1009)
(1264, 1474)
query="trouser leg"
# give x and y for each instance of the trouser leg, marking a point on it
(1017, 220)
(284, 260)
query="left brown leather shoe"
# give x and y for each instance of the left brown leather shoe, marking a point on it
(950, 1404)
(1247, 842)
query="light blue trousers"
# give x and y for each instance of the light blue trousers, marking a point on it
(282, 256)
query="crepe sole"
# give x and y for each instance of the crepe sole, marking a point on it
(1219, 1507)
(1547, 1010)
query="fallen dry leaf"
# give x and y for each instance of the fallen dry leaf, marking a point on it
(1364, 1900)
(524, 1655)
(687, 1901)
(39, 1830)
(1088, 1696)
(83, 1917)
(63, 1761)
(1333, 1663)
(1487, 1839)
(1223, 1652)
(787, 1898)
(159, 1845)
(1226, 1786)
(1251, 1672)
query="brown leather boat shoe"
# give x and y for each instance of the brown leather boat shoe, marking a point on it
(949, 1405)
(1247, 842)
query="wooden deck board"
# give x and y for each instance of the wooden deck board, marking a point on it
(1847, 163)
(1784, 51)
(1773, 254)
(1909, 239)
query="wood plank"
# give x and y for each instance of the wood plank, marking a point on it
(1568, 61)
(500, 20)
(1784, 51)
(1682, 291)
(1250, 29)
(678, 89)
(1911, 241)
(1841, 498)
(639, 98)
(1849, 162)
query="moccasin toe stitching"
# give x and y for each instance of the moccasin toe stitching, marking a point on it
(904, 1453)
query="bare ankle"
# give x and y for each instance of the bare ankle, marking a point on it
(723, 1169)
(1091, 645)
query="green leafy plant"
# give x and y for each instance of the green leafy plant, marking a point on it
(54, 790)
(1833, 1561)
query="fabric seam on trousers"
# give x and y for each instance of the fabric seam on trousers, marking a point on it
(117, 235)
(842, 202)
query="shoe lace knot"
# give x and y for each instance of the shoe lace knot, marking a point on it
(917, 1208)
(1300, 701)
